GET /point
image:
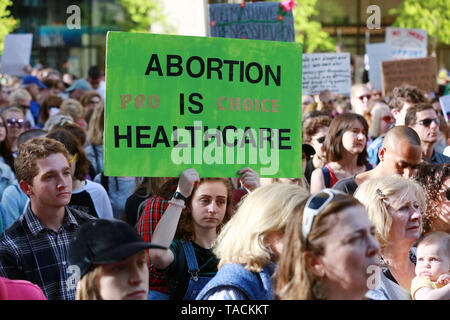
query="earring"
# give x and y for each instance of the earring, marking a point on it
(319, 289)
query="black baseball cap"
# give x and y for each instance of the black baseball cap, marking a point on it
(103, 241)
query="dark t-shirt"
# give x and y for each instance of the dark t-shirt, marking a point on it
(206, 260)
(347, 185)
(83, 201)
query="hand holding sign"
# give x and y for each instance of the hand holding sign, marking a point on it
(188, 179)
(249, 179)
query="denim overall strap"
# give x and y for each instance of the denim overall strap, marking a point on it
(196, 283)
(191, 259)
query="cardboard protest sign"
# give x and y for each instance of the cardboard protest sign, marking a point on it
(16, 54)
(377, 53)
(213, 104)
(260, 20)
(445, 105)
(407, 43)
(326, 71)
(417, 72)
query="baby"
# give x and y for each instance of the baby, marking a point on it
(432, 281)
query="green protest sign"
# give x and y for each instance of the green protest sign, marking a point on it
(213, 104)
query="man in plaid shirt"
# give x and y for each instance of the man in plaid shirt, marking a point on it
(35, 247)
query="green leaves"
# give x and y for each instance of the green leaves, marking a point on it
(7, 22)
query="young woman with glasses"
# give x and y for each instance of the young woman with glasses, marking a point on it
(345, 146)
(16, 123)
(329, 250)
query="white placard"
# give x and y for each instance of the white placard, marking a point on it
(377, 53)
(322, 71)
(16, 54)
(407, 43)
(445, 105)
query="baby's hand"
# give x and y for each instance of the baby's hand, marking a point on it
(443, 279)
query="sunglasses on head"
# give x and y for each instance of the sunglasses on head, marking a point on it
(427, 122)
(367, 96)
(19, 123)
(321, 139)
(314, 206)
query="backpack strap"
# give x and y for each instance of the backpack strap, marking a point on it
(326, 176)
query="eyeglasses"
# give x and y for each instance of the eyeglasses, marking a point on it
(314, 206)
(73, 159)
(321, 139)
(94, 102)
(427, 122)
(447, 194)
(387, 119)
(367, 96)
(18, 123)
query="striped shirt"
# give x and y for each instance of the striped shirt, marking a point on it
(30, 251)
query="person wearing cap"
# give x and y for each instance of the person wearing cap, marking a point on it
(78, 88)
(110, 259)
(36, 246)
(33, 85)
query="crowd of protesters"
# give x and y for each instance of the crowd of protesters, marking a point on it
(374, 193)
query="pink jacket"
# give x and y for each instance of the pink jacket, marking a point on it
(19, 290)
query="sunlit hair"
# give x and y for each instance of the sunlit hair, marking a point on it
(264, 211)
(333, 142)
(96, 126)
(87, 286)
(405, 94)
(312, 125)
(33, 150)
(87, 96)
(72, 108)
(18, 95)
(295, 281)
(432, 178)
(377, 193)
(185, 229)
(374, 114)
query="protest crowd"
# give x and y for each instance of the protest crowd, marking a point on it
(368, 219)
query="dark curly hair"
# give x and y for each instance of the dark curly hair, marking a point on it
(432, 178)
(185, 228)
(405, 93)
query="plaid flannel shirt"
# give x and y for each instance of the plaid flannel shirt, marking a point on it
(153, 211)
(30, 251)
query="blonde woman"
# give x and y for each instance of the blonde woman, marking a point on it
(395, 207)
(94, 150)
(250, 244)
(329, 246)
(74, 109)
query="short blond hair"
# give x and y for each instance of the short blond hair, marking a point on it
(263, 211)
(18, 94)
(72, 108)
(374, 194)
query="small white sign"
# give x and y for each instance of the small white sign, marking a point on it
(16, 54)
(377, 52)
(445, 105)
(326, 71)
(407, 43)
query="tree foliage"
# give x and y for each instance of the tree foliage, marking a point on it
(309, 32)
(7, 22)
(431, 15)
(141, 15)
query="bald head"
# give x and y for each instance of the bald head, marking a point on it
(401, 133)
(401, 152)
